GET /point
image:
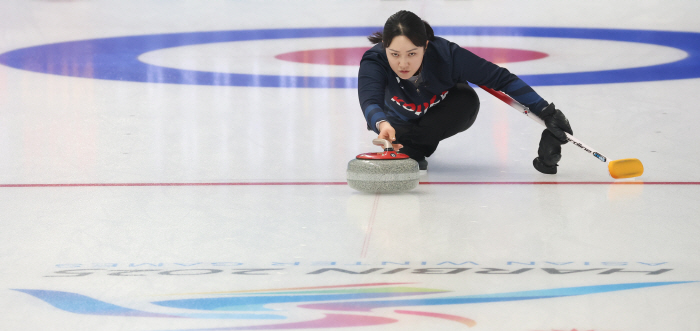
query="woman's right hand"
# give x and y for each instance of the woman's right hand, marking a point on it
(386, 131)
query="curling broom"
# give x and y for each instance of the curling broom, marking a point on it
(622, 168)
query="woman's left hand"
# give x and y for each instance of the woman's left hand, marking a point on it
(556, 122)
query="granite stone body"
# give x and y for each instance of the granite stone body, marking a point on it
(383, 176)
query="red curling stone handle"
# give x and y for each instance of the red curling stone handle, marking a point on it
(388, 154)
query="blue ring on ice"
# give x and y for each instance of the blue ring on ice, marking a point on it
(117, 58)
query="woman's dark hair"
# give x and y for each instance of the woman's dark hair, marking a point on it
(404, 23)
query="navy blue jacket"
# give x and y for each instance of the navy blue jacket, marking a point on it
(385, 96)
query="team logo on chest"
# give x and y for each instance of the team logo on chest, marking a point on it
(420, 109)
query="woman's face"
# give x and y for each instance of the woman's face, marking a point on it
(405, 58)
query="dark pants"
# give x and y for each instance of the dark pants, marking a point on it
(453, 115)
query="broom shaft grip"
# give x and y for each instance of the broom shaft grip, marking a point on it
(511, 102)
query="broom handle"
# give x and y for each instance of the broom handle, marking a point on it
(511, 102)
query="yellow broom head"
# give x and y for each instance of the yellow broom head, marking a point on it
(625, 168)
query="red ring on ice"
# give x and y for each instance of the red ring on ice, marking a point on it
(351, 56)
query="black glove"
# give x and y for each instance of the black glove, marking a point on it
(549, 152)
(556, 122)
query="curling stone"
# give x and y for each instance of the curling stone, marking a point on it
(386, 172)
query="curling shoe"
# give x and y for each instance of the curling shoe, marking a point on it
(422, 164)
(416, 155)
